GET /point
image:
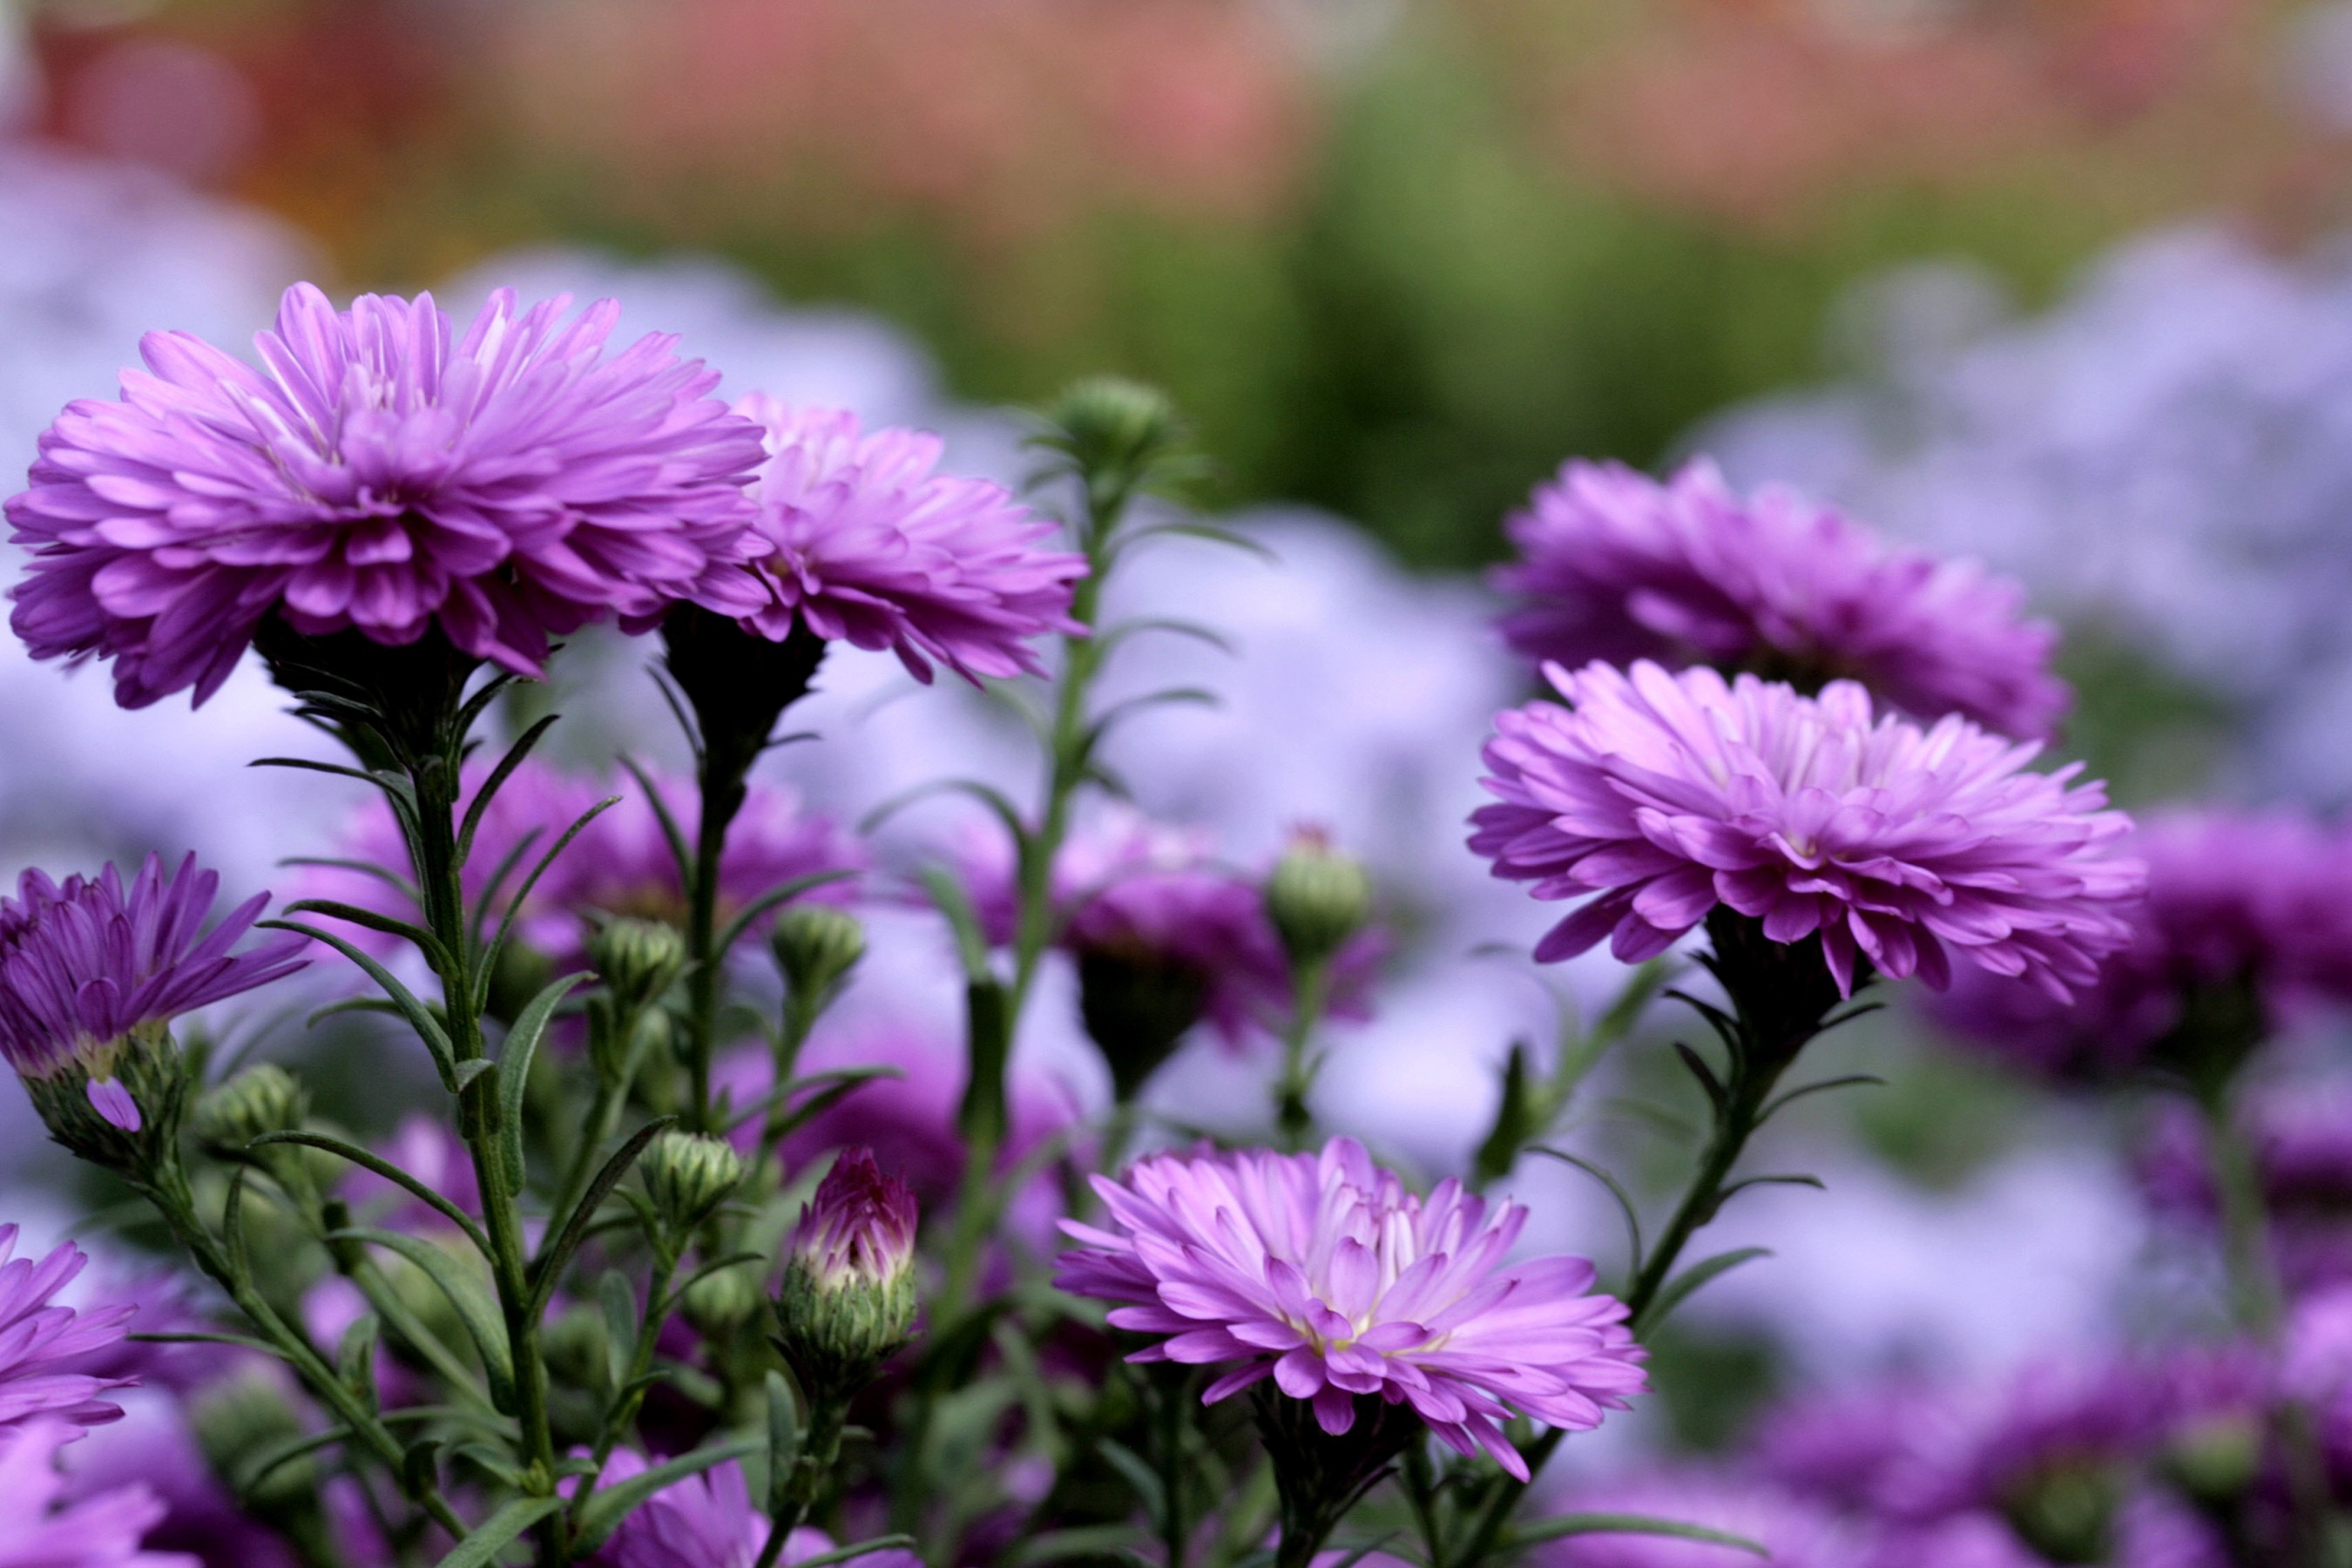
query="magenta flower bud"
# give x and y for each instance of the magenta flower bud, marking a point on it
(847, 1303)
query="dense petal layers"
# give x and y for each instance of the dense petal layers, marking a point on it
(1615, 566)
(1662, 796)
(864, 543)
(46, 1349)
(381, 473)
(85, 963)
(1323, 1273)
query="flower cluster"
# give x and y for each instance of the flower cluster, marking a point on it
(380, 474)
(1616, 566)
(1322, 1273)
(1665, 796)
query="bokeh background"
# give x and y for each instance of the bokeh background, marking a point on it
(2063, 284)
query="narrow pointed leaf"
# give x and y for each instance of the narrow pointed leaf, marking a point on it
(390, 1172)
(466, 1294)
(498, 1532)
(514, 1068)
(1680, 1287)
(548, 1267)
(1559, 1525)
(420, 1017)
(602, 1512)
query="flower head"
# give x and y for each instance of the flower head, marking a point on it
(707, 1520)
(102, 1531)
(88, 964)
(45, 1347)
(863, 542)
(859, 1229)
(1616, 566)
(847, 1302)
(1321, 1272)
(2251, 900)
(380, 473)
(1668, 794)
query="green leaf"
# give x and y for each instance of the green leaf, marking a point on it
(355, 1358)
(514, 1068)
(1149, 1491)
(350, 1004)
(383, 874)
(424, 940)
(390, 1172)
(1541, 1530)
(499, 1531)
(243, 1342)
(947, 895)
(254, 1470)
(617, 1298)
(1085, 1541)
(1517, 1119)
(550, 1264)
(498, 775)
(1680, 1287)
(857, 1550)
(514, 906)
(1616, 1190)
(466, 1293)
(1716, 1094)
(1850, 1081)
(601, 1511)
(420, 1017)
(672, 833)
(983, 1117)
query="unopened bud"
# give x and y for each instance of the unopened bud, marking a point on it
(118, 1103)
(1108, 425)
(2066, 1512)
(636, 959)
(2215, 1461)
(260, 1099)
(816, 946)
(719, 1304)
(689, 1174)
(1317, 898)
(847, 1303)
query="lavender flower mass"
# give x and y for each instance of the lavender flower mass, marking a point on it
(1518, 943)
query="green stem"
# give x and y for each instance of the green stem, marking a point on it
(612, 1098)
(630, 1396)
(722, 797)
(820, 1453)
(173, 1200)
(1310, 985)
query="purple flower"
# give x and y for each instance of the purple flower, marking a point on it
(1132, 888)
(859, 1228)
(1615, 566)
(85, 964)
(2233, 898)
(707, 1521)
(1798, 1531)
(1668, 794)
(102, 1531)
(620, 864)
(45, 1347)
(1321, 1272)
(376, 475)
(863, 544)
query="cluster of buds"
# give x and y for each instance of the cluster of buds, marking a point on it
(261, 1099)
(847, 1303)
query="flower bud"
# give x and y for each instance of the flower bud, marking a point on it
(719, 1304)
(847, 1303)
(1113, 428)
(1136, 1008)
(1317, 898)
(261, 1099)
(687, 1175)
(119, 1105)
(2216, 1460)
(237, 1421)
(636, 959)
(816, 946)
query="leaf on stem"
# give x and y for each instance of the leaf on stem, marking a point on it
(856, 1550)
(514, 1068)
(1716, 1094)
(548, 1267)
(1616, 1191)
(482, 1548)
(1679, 1288)
(420, 1017)
(497, 777)
(673, 834)
(783, 1440)
(390, 1172)
(1849, 1081)
(514, 906)
(752, 911)
(600, 1512)
(465, 1293)
(1541, 1530)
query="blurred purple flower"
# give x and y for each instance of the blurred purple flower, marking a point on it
(506, 488)
(39, 1529)
(1321, 1272)
(1667, 795)
(2301, 1139)
(1798, 1531)
(621, 863)
(1615, 566)
(154, 1449)
(2254, 898)
(44, 1346)
(707, 1521)
(865, 543)
(84, 964)
(1131, 887)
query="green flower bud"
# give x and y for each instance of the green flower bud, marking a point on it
(689, 1174)
(2215, 1461)
(260, 1099)
(847, 1303)
(237, 1421)
(816, 946)
(1317, 898)
(2066, 1511)
(636, 959)
(719, 1304)
(120, 1106)
(1113, 429)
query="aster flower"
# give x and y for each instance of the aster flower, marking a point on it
(1615, 566)
(1322, 1273)
(102, 1531)
(1667, 796)
(621, 864)
(1798, 1533)
(707, 1521)
(90, 970)
(380, 474)
(865, 543)
(2249, 901)
(45, 1347)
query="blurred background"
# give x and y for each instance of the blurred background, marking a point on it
(2063, 284)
